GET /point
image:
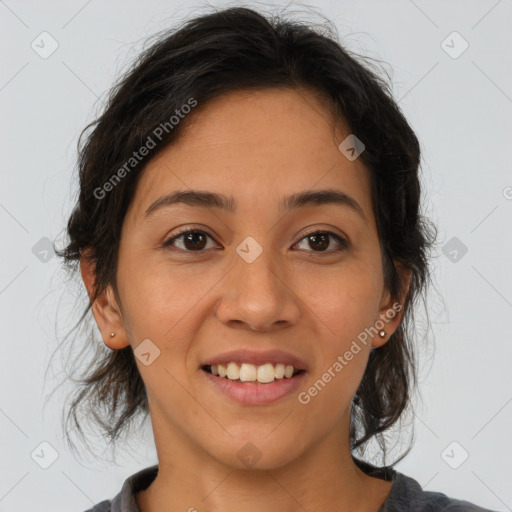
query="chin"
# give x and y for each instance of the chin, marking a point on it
(256, 452)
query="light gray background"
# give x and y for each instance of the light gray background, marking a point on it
(461, 110)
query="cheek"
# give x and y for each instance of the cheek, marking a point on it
(327, 398)
(345, 302)
(336, 383)
(158, 300)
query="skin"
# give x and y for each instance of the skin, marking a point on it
(257, 147)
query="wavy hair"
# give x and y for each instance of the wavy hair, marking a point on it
(211, 55)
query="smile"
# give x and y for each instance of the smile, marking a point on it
(247, 372)
(253, 392)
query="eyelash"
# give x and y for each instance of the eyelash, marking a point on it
(343, 244)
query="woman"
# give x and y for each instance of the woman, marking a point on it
(249, 233)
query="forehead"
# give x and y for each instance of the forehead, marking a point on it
(258, 147)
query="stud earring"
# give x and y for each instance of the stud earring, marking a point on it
(382, 333)
(112, 334)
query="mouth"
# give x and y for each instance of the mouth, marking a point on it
(261, 385)
(249, 373)
(252, 377)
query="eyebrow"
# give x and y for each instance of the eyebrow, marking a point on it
(219, 201)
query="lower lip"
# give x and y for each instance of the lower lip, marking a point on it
(253, 393)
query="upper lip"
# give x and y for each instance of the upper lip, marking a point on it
(257, 358)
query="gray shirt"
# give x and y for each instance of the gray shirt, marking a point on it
(406, 494)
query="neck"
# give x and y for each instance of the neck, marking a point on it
(323, 477)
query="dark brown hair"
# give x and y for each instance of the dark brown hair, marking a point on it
(231, 50)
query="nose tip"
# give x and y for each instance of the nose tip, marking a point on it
(255, 296)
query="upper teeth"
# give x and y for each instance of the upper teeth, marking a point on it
(249, 372)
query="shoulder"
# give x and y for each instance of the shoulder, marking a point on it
(125, 500)
(103, 506)
(406, 494)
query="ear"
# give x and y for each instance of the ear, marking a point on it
(105, 308)
(392, 308)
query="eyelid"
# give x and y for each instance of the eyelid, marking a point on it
(342, 240)
(184, 230)
(330, 230)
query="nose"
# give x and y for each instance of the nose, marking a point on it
(259, 296)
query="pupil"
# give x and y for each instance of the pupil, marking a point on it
(196, 240)
(193, 238)
(325, 241)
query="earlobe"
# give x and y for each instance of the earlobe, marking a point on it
(109, 320)
(387, 323)
(104, 308)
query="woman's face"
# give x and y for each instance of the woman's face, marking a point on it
(251, 281)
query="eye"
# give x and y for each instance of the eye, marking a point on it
(192, 240)
(195, 240)
(319, 241)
